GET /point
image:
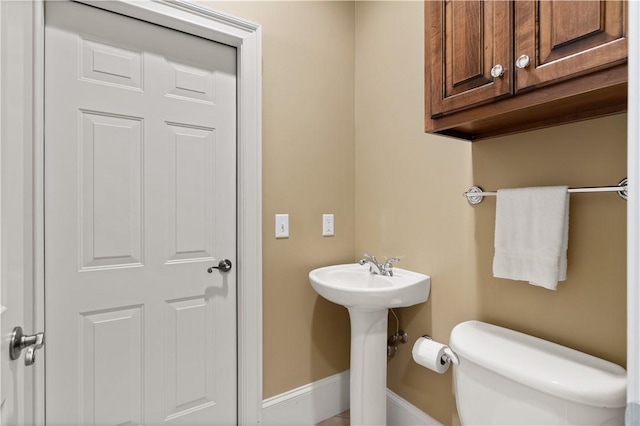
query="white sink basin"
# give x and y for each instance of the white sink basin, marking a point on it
(353, 286)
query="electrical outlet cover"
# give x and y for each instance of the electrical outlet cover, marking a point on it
(327, 225)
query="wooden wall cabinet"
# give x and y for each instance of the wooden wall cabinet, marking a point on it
(499, 67)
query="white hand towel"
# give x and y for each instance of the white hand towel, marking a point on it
(531, 236)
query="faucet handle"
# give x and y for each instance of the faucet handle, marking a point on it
(388, 265)
(391, 261)
(369, 257)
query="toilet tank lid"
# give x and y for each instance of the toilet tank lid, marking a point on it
(540, 364)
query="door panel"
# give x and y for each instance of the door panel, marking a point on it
(191, 215)
(110, 64)
(110, 344)
(140, 200)
(467, 39)
(111, 228)
(189, 370)
(564, 39)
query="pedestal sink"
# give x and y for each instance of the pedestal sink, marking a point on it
(368, 298)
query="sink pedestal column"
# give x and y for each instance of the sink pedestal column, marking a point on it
(368, 391)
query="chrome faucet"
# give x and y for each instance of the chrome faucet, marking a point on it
(376, 268)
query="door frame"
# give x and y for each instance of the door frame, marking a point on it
(633, 222)
(24, 66)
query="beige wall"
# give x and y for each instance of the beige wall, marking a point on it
(588, 311)
(343, 119)
(307, 161)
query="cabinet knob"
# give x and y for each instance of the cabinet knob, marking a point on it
(497, 71)
(523, 61)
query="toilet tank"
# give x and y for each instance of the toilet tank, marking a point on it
(509, 378)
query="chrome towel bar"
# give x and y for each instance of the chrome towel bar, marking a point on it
(475, 194)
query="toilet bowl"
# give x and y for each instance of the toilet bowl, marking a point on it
(509, 378)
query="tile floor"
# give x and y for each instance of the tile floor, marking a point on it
(341, 419)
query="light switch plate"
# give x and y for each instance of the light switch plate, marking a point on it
(282, 226)
(327, 225)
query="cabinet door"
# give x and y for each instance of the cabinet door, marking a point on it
(467, 38)
(564, 39)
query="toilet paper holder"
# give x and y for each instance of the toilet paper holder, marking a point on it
(448, 356)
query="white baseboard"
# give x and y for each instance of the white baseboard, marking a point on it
(308, 404)
(402, 413)
(317, 401)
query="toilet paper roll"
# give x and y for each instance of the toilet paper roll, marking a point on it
(429, 354)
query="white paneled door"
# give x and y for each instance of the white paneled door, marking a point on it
(140, 201)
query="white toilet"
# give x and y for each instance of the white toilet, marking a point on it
(509, 378)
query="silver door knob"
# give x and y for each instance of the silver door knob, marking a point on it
(20, 341)
(224, 266)
(497, 71)
(30, 355)
(523, 61)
